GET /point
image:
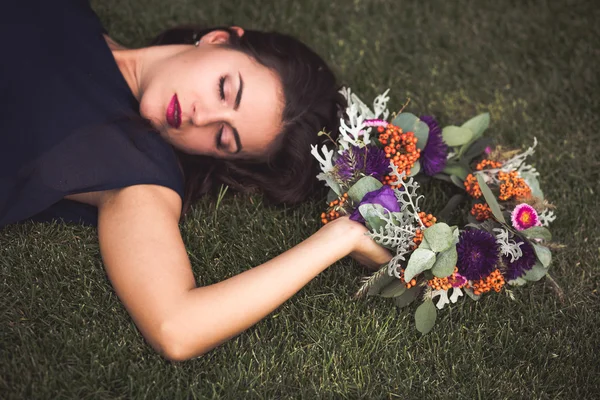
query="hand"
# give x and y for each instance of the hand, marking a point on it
(364, 249)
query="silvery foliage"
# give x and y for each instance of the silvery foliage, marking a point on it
(444, 299)
(515, 163)
(407, 197)
(508, 247)
(353, 131)
(326, 162)
(546, 217)
(399, 228)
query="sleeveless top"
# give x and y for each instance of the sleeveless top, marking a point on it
(68, 121)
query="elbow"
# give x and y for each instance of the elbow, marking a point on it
(174, 344)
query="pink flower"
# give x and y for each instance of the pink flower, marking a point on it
(457, 280)
(524, 216)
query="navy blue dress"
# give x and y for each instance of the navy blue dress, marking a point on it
(68, 120)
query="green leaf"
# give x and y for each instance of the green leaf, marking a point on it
(536, 273)
(425, 316)
(517, 282)
(543, 254)
(411, 123)
(424, 245)
(490, 199)
(419, 261)
(443, 177)
(478, 124)
(456, 169)
(470, 293)
(456, 136)
(537, 232)
(457, 181)
(416, 168)
(331, 196)
(381, 283)
(408, 297)
(476, 148)
(363, 186)
(370, 215)
(445, 263)
(452, 204)
(439, 236)
(532, 181)
(394, 289)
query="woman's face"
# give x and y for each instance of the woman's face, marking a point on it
(212, 100)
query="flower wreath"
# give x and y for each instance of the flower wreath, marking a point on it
(373, 173)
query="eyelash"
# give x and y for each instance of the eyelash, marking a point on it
(222, 87)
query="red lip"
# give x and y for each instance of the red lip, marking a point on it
(174, 112)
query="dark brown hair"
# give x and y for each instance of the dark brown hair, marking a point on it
(311, 103)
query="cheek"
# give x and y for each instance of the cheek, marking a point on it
(192, 142)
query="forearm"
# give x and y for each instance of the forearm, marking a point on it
(209, 315)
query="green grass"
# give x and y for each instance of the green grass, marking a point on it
(532, 64)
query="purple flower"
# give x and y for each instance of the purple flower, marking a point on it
(434, 155)
(521, 265)
(477, 254)
(383, 196)
(369, 160)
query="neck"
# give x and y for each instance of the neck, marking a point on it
(130, 63)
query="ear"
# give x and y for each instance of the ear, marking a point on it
(219, 36)
(238, 30)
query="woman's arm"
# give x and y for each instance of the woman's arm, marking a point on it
(147, 263)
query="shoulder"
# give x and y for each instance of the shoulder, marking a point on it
(138, 202)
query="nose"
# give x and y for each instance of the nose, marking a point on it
(203, 115)
(199, 115)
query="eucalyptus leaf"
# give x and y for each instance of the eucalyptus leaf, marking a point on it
(363, 186)
(424, 245)
(407, 297)
(456, 169)
(476, 148)
(381, 283)
(425, 316)
(445, 263)
(439, 236)
(517, 282)
(369, 213)
(331, 196)
(537, 272)
(394, 289)
(537, 232)
(416, 168)
(411, 123)
(456, 136)
(470, 293)
(443, 177)
(452, 204)
(532, 181)
(478, 124)
(457, 181)
(419, 261)
(543, 254)
(490, 199)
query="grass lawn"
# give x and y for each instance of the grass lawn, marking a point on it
(64, 333)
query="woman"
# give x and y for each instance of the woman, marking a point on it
(133, 136)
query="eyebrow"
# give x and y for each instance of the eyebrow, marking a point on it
(236, 105)
(238, 97)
